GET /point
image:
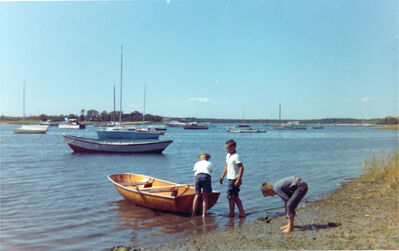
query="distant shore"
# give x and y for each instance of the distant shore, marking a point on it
(362, 214)
(19, 122)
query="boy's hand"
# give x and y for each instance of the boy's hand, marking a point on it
(238, 183)
(221, 181)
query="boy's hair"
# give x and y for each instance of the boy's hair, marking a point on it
(207, 155)
(267, 187)
(230, 142)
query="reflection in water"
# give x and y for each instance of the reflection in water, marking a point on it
(150, 223)
(235, 222)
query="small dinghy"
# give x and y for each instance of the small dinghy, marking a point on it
(158, 194)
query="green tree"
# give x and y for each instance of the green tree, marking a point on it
(71, 116)
(92, 115)
(82, 115)
(104, 116)
(43, 117)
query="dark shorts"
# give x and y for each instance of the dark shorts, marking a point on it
(232, 191)
(299, 193)
(203, 180)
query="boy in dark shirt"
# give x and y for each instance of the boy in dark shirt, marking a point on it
(291, 190)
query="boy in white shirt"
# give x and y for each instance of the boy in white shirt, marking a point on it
(234, 170)
(202, 180)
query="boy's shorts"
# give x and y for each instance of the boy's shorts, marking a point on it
(203, 180)
(232, 191)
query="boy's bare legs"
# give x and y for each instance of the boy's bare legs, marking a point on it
(195, 204)
(289, 227)
(240, 207)
(204, 203)
(231, 206)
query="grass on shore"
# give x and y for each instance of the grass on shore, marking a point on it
(381, 168)
(389, 127)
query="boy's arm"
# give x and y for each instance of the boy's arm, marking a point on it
(223, 174)
(240, 174)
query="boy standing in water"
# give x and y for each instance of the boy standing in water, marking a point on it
(291, 190)
(202, 180)
(234, 170)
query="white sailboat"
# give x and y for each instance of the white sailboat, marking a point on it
(29, 129)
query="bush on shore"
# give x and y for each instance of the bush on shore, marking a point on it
(381, 168)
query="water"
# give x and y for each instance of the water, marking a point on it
(53, 199)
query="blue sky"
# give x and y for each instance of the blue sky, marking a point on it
(210, 59)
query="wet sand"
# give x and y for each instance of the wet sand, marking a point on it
(357, 216)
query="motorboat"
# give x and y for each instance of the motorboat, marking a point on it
(196, 126)
(71, 124)
(235, 129)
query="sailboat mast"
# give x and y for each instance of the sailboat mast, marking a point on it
(114, 108)
(145, 85)
(120, 105)
(279, 114)
(23, 103)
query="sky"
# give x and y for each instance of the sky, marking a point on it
(202, 58)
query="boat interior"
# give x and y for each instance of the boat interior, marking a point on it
(151, 185)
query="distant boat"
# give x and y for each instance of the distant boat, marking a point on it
(71, 124)
(175, 124)
(153, 128)
(88, 145)
(158, 194)
(318, 127)
(196, 126)
(48, 123)
(234, 129)
(29, 129)
(292, 125)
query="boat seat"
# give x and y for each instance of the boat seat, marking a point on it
(173, 190)
(147, 183)
(133, 183)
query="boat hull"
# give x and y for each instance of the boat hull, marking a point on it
(290, 128)
(180, 202)
(87, 145)
(66, 126)
(103, 134)
(244, 130)
(31, 129)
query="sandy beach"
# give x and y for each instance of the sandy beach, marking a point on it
(359, 215)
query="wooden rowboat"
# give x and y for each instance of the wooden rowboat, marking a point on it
(158, 194)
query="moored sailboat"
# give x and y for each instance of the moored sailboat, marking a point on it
(29, 129)
(125, 132)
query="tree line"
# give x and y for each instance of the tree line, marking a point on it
(92, 116)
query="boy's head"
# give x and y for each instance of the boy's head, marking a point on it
(267, 189)
(204, 156)
(230, 146)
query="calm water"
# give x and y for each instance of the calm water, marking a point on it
(53, 199)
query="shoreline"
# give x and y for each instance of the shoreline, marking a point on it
(359, 215)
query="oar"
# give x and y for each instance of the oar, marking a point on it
(162, 187)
